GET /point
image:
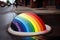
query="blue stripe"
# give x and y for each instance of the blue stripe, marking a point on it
(23, 23)
(22, 26)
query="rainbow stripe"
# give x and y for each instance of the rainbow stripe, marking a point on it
(29, 22)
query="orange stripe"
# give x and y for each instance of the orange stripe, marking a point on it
(39, 21)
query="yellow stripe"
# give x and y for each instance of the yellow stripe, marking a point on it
(32, 21)
(37, 22)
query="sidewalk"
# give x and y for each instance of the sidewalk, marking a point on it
(49, 10)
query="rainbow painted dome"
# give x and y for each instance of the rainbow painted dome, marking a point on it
(28, 22)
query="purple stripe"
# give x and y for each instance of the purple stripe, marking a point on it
(17, 26)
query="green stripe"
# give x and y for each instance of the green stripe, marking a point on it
(28, 23)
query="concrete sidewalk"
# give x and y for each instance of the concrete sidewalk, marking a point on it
(49, 10)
